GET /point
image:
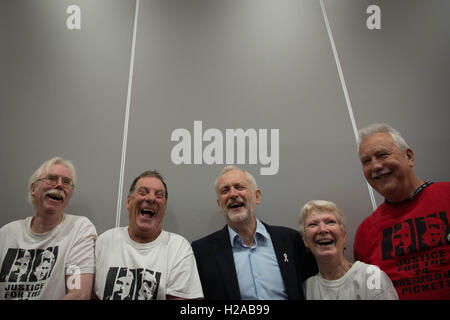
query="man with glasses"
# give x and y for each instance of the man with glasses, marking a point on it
(50, 236)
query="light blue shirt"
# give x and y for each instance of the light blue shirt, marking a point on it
(257, 267)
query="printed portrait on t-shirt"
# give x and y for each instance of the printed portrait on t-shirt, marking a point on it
(148, 286)
(25, 272)
(122, 286)
(432, 230)
(413, 235)
(20, 268)
(131, 284)
(21, 265)
(45, 262)
(403, 239)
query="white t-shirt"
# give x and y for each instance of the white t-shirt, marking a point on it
(127, 270)
(34, 266)
(361, 282)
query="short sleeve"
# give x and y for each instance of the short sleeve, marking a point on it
(82, 253)
(183, 280)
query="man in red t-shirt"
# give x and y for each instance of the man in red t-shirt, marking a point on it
(408, 235)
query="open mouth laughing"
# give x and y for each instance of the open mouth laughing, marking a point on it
(148, 213)
(236, 205)
(325, 242)
(55, 195)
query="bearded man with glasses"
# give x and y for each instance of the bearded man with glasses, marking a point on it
(67, 239)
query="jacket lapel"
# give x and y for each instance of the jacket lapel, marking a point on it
(286, 262)
(224, 255)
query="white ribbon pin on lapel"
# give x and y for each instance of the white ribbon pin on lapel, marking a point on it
(285, 258)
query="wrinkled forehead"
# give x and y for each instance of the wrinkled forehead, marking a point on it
(323, 213)
(150, 183)
(319, 213)
(232, 177)
(57, 169)
(375, 142)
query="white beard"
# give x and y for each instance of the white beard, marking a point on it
(237, 217)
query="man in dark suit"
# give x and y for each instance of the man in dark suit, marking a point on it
(249, 259)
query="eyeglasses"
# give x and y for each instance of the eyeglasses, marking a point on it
(53, 180)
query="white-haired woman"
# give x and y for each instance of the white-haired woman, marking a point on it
(322, 227)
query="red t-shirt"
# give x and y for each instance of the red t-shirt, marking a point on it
(410, 241)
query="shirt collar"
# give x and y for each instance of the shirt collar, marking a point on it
(260, 233)
(419, 189)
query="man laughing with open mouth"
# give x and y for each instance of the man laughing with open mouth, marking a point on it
(146, 204)
(53, 244)
(144, 250)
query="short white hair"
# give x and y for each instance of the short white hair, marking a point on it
(319, 205)
(383, 128)
(45, 167)
(251, 180)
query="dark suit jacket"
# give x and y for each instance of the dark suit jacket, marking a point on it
(217, 272)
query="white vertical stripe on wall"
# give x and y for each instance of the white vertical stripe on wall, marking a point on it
(127, 116)
(344, 88)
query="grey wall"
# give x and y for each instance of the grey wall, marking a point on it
(250, 64)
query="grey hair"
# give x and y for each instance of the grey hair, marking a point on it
(251, 180)
(150, 174)
(319, 205)
(45, 167)
(383, 128)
